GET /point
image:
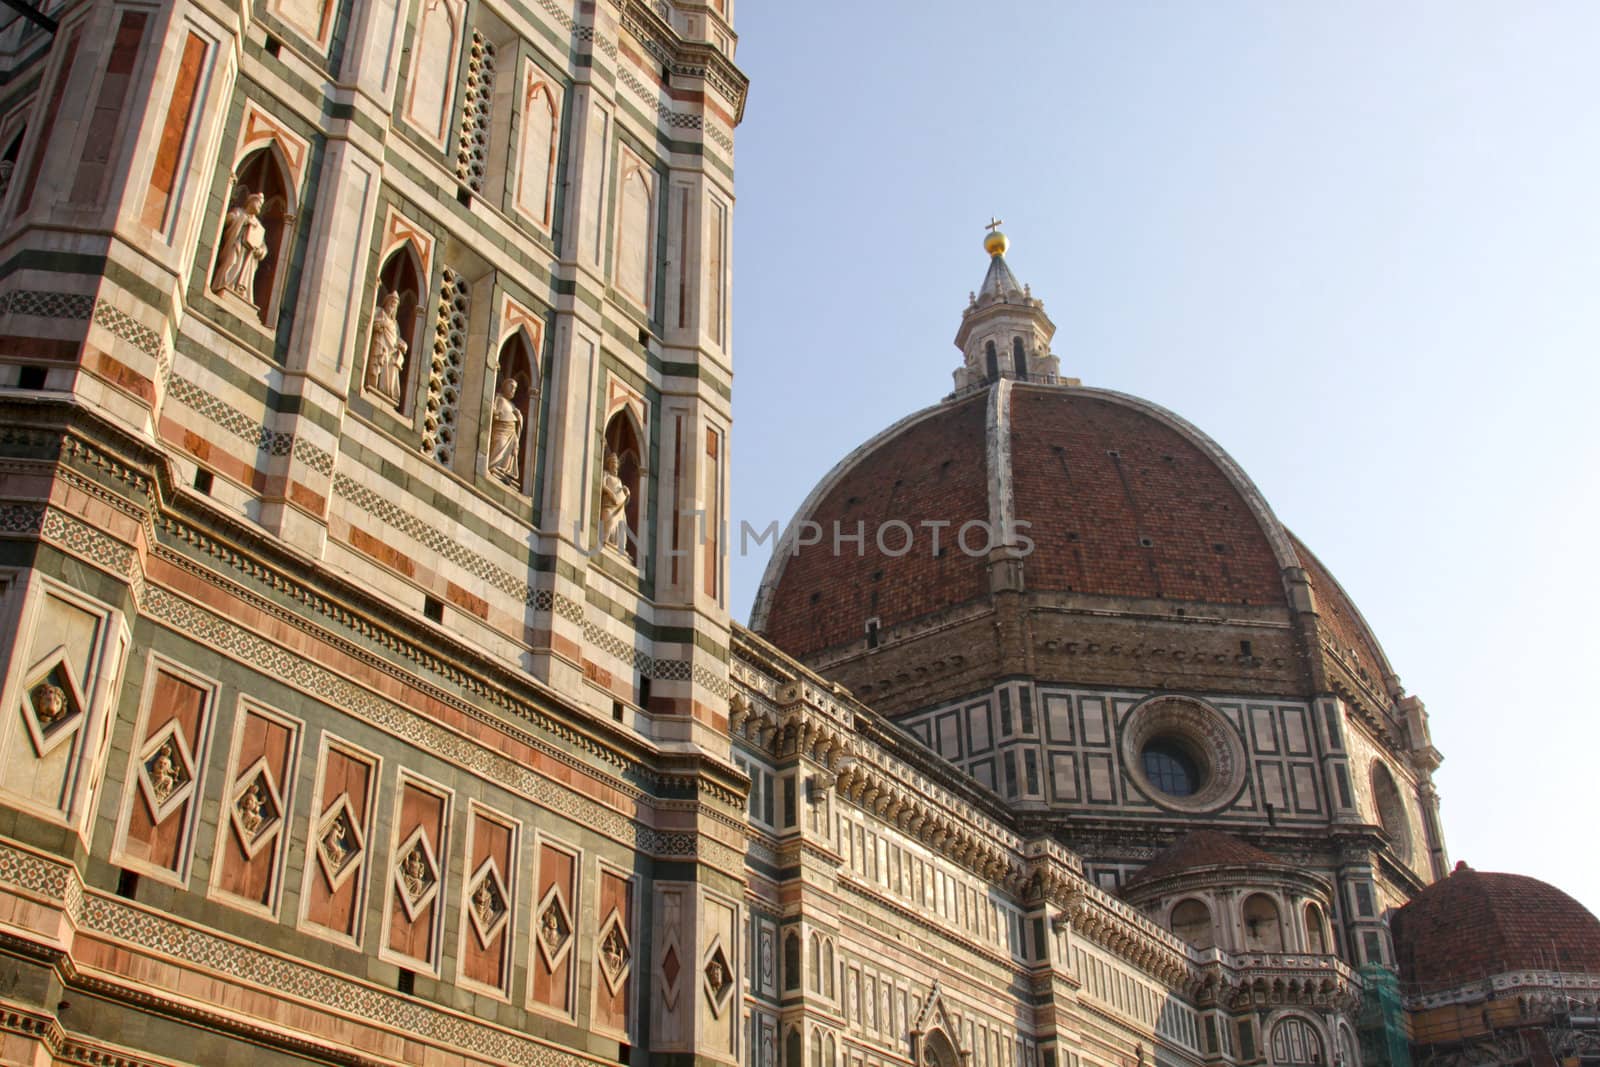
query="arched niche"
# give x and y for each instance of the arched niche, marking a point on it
(791, 960)
(512, 461)
(1391, 809)
(1316, 929)
(991, 360)
(624, 440)
(433, 67)
(263, 174)
(938, 1050)
(1019, 358)
(1191, 920)
(1295, 1042)
(1263, 925)
(401, 276)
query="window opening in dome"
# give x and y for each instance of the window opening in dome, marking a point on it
(1019, 358)
(991, 360)
(1170, 769)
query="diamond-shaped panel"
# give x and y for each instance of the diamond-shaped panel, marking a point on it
(488, 903)
(615, 953)
(669, 965)
(257, 812)
(52, 702)
(166, 771)
(719, 978)
(416, 874)
(555, 929)
(339, 845)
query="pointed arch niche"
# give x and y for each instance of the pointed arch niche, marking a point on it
(625, 440)
(405, 265)
(270, 163)
(518, 361)
(539, 148)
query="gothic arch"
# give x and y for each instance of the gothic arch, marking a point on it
(519, 362)
(625, 439)
(536, 157)
(431, 83)
(402, 273)
(265, 171)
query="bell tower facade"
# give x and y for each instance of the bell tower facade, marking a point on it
(366, 368)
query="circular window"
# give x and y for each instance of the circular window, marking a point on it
(1170, 768)
(1183, 754)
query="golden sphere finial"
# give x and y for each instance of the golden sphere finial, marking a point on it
(996, 242)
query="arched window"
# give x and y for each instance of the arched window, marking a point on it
(829, 1051)
(512, 443)
(1019, 358)
(816, 964)
(827, 967)
(622, 441)
(1296, 1041)
(1191, 920)
(991, 360)
(791, 1048)
(1391, 809)
(536, 160)
(816, 1048)
(400, 278)
(255, 234)
(1263, 929)
(1316, 932)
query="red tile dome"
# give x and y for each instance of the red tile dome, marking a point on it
(1476, 924)
(1120, 497)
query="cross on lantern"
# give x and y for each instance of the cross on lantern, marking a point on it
(994, 224)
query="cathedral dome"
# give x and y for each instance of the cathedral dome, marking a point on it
(1028, 526)
(1477, 924)
(1118, 497)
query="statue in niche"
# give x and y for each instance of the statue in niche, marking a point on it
(49, 704)
(614, 506)
(244, 246)
(505, 433)
(386, 356)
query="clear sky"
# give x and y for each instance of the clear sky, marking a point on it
(1357, 243)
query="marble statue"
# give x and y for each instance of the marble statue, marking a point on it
(244, 246)
(614, 506)
(386, 356)
(505, 433)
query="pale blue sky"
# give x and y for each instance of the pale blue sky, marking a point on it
(1357, 243)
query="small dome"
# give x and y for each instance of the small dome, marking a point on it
(1476, 924)
(1202, 848)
